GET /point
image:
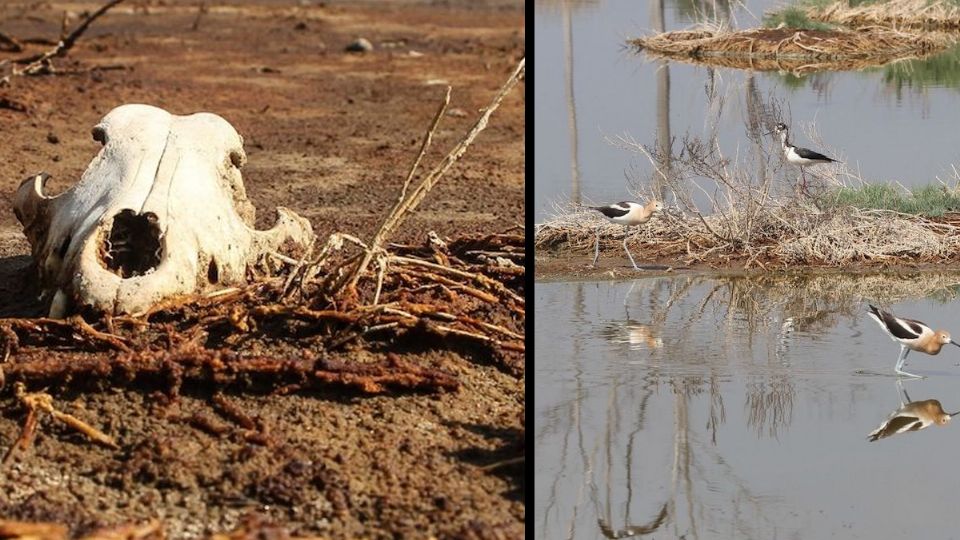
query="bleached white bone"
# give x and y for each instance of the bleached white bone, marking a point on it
(160, 211)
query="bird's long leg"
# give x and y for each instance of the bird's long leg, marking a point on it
(904, 351)
(803, 186)
(903, 391)
(626, 297)
(596, 248)
(625, 248)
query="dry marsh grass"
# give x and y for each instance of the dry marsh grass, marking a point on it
(792, 49)
(787, 233)
(907, 14)
(745, 211)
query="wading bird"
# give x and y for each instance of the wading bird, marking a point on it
(911, 335)
(802, 157)
(625, 213)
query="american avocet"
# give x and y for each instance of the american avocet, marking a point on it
(627, 213)
(912, 416)
(802, 157)
(637, 336)
(911, 335)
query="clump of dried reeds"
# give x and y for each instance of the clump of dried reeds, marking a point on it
(754, 219)
(784, 234)
(866, 45)
(909, 14)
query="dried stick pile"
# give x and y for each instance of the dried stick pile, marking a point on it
(465, 294)
(327, 318)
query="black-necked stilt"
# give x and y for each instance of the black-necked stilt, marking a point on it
(802, 157)
(627, 213)
(911, 335)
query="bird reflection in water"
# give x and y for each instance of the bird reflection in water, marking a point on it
(911, 416)
(637, 335)
(633, 530)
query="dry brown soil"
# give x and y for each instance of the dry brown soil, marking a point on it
(329, 134)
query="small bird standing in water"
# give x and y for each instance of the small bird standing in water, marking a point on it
(627, 213)
(911, 335)
(802, 157)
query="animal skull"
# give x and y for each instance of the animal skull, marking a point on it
(160, 211)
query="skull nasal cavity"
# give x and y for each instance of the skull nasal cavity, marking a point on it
(133, 246)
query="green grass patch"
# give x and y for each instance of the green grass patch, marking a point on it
(930, 200)
(793, 17)
(941, 70)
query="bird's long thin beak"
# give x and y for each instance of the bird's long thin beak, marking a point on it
(955, 343)
(953, 414)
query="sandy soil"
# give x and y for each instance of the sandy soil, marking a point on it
(329, 134)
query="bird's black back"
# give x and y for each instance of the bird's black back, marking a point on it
(613, 210)
(807, 153)
(895, 327)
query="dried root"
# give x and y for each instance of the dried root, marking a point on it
(41, 402)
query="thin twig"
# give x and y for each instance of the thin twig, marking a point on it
(401, 210)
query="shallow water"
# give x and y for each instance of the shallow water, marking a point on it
(893, 123)
(739, 408)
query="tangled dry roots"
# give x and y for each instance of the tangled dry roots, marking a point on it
(791, 49)
(283, 334)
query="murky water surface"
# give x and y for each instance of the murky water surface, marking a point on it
(892, 123)
(692, 407)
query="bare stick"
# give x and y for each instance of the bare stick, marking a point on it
(410, 203)
(10, 43)
(392, 217)
(36, 62)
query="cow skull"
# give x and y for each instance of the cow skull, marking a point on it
(160, 211)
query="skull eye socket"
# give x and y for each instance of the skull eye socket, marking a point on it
(99, 134)
(238, 158)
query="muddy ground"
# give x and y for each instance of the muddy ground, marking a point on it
(577, 265)
(330, 135)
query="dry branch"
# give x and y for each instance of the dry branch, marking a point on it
(42, 402)
(407, 204)
(466, 303)
(40, 63)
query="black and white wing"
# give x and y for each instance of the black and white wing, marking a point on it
(807, 153)
(896, 424)
(895, 326)
(614, 210)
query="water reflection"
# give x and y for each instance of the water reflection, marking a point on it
(698, 11)
(942, 70)
(635, 334)
(911, 416)
(728, 426)
(633, 530)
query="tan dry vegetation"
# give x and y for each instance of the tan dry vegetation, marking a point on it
(755, 214)
(912, 14)
(792, 49)
(788, 235)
